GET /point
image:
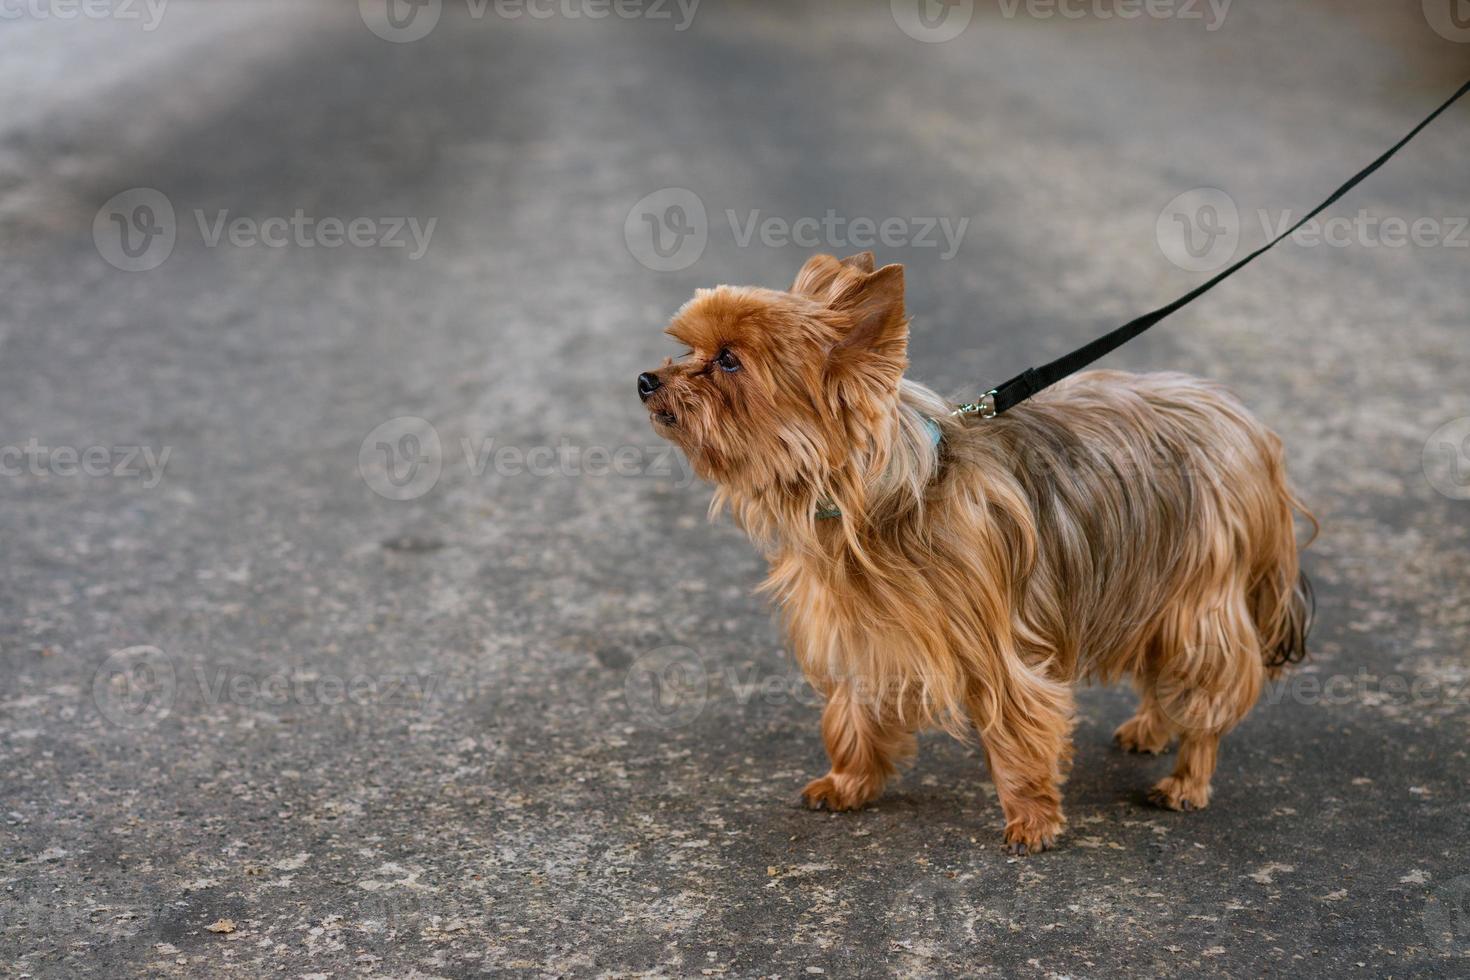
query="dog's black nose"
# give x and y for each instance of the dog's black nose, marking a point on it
(647, 385)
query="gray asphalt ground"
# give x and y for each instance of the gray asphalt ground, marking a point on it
(258, 718)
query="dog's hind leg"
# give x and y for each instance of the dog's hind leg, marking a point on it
(865, 745)
(1202, 687)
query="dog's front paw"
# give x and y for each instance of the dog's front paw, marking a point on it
(1033, 834)
(1173, 793)
(837, 791)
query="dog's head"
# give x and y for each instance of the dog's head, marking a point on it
(780, 389)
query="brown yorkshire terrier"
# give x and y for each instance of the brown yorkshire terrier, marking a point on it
(949, 570)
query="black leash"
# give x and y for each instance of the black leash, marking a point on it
(1032, 380)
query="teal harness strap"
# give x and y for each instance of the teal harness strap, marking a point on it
(826, 509)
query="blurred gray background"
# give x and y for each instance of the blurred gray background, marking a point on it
(354, 623)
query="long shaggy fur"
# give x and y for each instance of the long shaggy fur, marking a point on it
(1115, 526)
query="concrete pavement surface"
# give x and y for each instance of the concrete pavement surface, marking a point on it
(355, 624)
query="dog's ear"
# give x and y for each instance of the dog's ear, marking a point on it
(875, 328)
(872, 306)
(821, 272)
(816, 276)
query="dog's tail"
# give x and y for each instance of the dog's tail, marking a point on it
(1284, 604)
(1290, 642)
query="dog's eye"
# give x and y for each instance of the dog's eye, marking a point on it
(727, 360)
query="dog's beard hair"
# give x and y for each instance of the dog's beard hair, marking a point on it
(883, 471)
(1118, 523)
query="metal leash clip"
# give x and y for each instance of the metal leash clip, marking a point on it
(985, 407)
